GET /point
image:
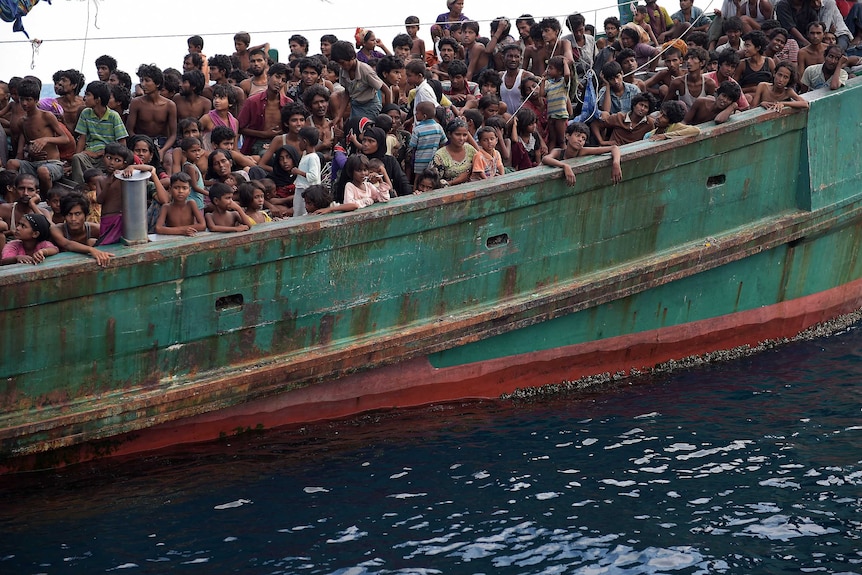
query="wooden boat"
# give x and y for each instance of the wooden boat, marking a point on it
(747, 232)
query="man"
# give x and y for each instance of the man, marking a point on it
(310, 70)
(692, 85)
(257, 67)
(260, 118)
(659, 83)
(67, 85)
(448, 49)
(104, 66)
(189, 102)
(510, 89)
(152, 114)
(830, 73)
(719, 108)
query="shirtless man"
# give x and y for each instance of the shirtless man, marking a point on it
(152, 114)
(815, 51)
(316, 100)
(692, 85)
(11, 114)
(448, 49)
(67, 85)
(40, 136)
(257, 67)
(23, 199)
(658, 84)
(260, 118)
(718, 109)
(189, 102)
(220, 68)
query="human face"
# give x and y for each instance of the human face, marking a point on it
(28, 104)
(228, 144)
(611, 31)
(257, 64)
(815, 34)
(576, 140)
(830, 61)
(148, 86)
(240, 47)
(469, 37)
(325, 48)
(180, 191)
(616, 82)
(370, 41)
(309, 206)
(115, 163)
(222, 166)
(221, 102)
(684, 4)
(369, 145)
(626, 42)
(257, 199)
(488, 142)
(414, 79)
(62, 87)
(777, 44)
(412, 29)
(26, 189)
(512, 59)
(223, 202)
(188, 66)
(748, 49)
(295, 123)
(673, 63)
(309, 76)
(456, 8)
(549, 35)
(113, 80)
(402, 52)
(641, 109)
(186, 88)
(733, 36)
(192, 132)
(579, 32)
(319, 106)
(103, 73)
(722, 101)
(523, 29)
(662, 121)
(425, 185)
(24, 230)
(393, 77)
(829, 38)
(75, 218)
(296, 48)
(396, 118)
(458, 137)
(194, 153)
(694, 63)
(285, 161)
(142, 150)
(491, 111)
(276, 82)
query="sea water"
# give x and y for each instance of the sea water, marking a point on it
(750, 466)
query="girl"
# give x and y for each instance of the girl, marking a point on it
(187, 128)
(366, 41)
(76, 234)
(223, 99)
(192, 153)
(374, 146)
(31, 244)
(55, 194)
(148, 153)
(526, 144)
(317, 198)
(283, 161)
(292, 121)
(487, 162)
(428, 180)
(358, 192)
(779, 95)
(251, 198)
(377, 175)
(454, 161)
(533, 101)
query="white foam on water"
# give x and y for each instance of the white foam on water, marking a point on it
(782, 483)
(547, 495)
(565, 444)
(734, 445)
(583, 503)
(233, 504)
(124, 566)
(230, 539)
(701, 501)
(626, 483)
(649, 415)
(680, 447)
(659, 469)
(481, 475)
(352, 533)
(316, 490)
(673, 494)
(783, 528)
(406, 495)
(519, 486)
(573, 484)
(568, 471)
(398, 475)
(589, 441)
(196, 561)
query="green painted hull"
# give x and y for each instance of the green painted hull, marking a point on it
(314, 316)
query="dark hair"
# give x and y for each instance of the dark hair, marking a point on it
(120, 151)
(402, 40)
(319, 196)
(224, 91)
(152, 72)
(525, 91)
(557, 63)
(384, 121)
(575, 21)
(579, 127)
(631, 34)
(674, 110)
(210, 175)
(196, 80)
(72, 199)
(449, 42)
(638, 98)
(293, 109)
(790, 68)
(342, 51)
(186, 144)
(279, 68)
(333, 67)
(237, 75)
(729, 57)
(469, 25)
(730, 89)
(834, 48)
(610, 70)
(75, 78)
(172, 79)
(220, 134)
(388, 63)
(312, 92)
(699, 53)
(181, 177)
(331, 38)
(495, 23)
(734, 23)
(91, 173)
(457, 68)
(299, 39)
(314, 63)
(197, 60)
(416, 67)
(218, 190)
(411, 20)
(429, 174)
(40, 224)
(222, 62)
(473, 115)
(490, 76)
(243, 37)
(28, 89)
(123, 79)
(107, 61)
(195, 41)
(698, 39)
(758, 39)
(186, 123)
(525, 117)
(775, 32)
(487, 101)
(612, 20)
(245, 191)
(156, 161)
(310, 134)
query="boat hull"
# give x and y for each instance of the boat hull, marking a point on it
(467, 293)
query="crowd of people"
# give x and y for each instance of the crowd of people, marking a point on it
(234, 141)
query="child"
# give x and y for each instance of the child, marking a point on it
(180, 217)
(317, 198)
(427, 136)
(427, 181)
(377, 175)
(487, 163)
(526, 143)
(192, 153)
(76, 234)
(283, 162)
(188, 128)
(54, 197)
(252, 198)
(308, 171)
(411, 23)
(559, 107)
(224, 98)
(358, 192)
(576, 138)
(109, 191)
(226, 215)
(31, 244)
(91, 175)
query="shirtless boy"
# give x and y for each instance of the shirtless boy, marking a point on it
(692, 84)
(109, 192)
(719, 108)
(220, 69)
(576, 139)
(39, 138)
(658, 84)
(227, 215)
(242, 44)
(181, 217)
(152, 114)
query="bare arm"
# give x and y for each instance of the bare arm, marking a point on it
(68, 245)
(551, 160)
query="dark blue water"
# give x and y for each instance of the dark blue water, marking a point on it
(752, 466)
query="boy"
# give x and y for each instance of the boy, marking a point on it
(458, 89)
(326, 42)
(180, 217)
(426, 138)
(226, 216)
(402, 46)
(260, 117)
(153, 114)
(40, 136)
(576, 138)
(105, 65)
(196, 46)
(192, 154)
(628, 127)
(719, 109)
(615, 95)
(415, 73)
(316, 100)
(732, 28)
(814, 52)
(118, 159)
(411, 24)
(390, 69)
(669, 123)
(727, 63)
(298, 45)
(308, 171)
(361, 84)
(558, 103)
(689, 18)
(98, 126)
(220, 68)
(693, 84)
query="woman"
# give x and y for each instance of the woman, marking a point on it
(454, 161)
(455, 14)
(144, 147)
(374, 146)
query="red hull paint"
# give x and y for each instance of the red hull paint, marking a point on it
(416, 382)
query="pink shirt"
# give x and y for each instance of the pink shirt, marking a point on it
(15, 248)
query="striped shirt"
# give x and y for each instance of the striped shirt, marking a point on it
(99, 132)
(426, 138)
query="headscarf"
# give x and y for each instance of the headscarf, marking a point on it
(50, 105)
(279, 175)
(379, 135)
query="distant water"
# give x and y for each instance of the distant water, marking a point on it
(753, 466)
